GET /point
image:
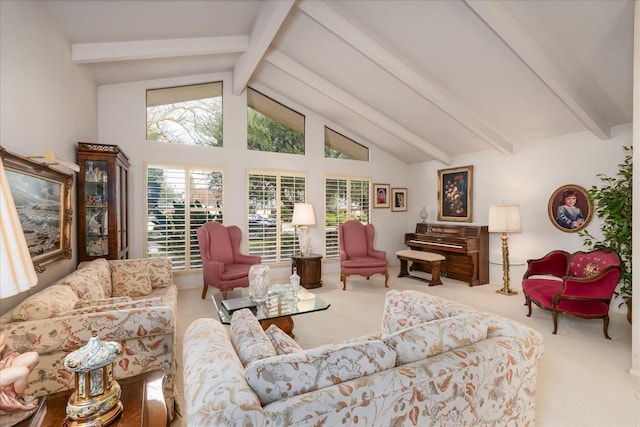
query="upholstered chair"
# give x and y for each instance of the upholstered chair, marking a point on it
(357, 255)
(581, 284)
(223, 266)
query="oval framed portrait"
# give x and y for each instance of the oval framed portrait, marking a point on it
(570, 209)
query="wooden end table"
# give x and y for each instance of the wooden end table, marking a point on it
(142, 398)
(309, 269)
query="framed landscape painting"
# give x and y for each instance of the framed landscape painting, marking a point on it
(455, 191)
(380, 195)
(42, 196)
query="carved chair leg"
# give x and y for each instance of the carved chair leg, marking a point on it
(386, 279)
(343, 278)
(528, 304)
(204, 290)
(554, 314)
(606, 327)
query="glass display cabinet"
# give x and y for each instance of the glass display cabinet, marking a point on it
(103, 218)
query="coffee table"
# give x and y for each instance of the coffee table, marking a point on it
(280, 315)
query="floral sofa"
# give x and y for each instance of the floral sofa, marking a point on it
(132, 302)
(435, 362)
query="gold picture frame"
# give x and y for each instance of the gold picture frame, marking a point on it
(455, 194)
(43, 199)
(381, 195)
(570, 209)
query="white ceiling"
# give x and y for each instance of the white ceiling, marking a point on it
(422, 80)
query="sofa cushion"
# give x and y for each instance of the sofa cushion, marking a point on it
(427, 339)
(281, 341)
(86, 283)
(101, 302)
(249, 339)
(279, 377)
(100, 270)
(159, 269)
(403, 309)
(45, 304)
(130, 280)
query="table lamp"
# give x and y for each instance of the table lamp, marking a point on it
(303, 216)
(504, 218)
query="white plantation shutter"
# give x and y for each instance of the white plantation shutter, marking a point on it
(271, 196)
(345, 198)
(180, 199)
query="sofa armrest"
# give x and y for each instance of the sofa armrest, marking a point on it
(213, 377)
(68, 333)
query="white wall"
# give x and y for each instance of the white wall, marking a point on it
(122, 122)
(47, 103)
(528, 177)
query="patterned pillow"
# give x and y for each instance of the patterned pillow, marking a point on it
(45, 304)
(100, 269)
(403, 309)
(160, 272)
(85, 283)
(292, 374)
(248, 338)
(427, 339)
(130, 280)
(281, 341)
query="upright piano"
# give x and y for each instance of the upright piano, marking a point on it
(465, 247)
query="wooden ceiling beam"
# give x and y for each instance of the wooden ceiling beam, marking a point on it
(290, 66)
(523, 45)
(264, 30)
(331, 20)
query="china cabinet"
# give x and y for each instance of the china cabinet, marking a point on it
(103, 218)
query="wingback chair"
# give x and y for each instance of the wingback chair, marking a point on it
(223, 266)
(357, 255)
(580, 284)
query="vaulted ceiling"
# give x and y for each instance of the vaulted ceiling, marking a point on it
(422, 80)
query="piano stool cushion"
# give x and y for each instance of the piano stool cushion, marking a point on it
(420, 255)
(403, 309)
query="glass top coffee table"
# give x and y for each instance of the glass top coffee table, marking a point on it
(278, 309)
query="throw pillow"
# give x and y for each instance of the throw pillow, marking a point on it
(281, 341)
(85, 283)
(45, 304)
(403, 309)
(292, 374)
(427, 339)
(100, 270)
(248, 338)
(130, 280)
(160, 273)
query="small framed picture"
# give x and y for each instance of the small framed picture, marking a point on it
(380, 195)
(399, 199)
(570, 209)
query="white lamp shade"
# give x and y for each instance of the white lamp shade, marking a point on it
(303, 214)
(504, 218)
(17, 273)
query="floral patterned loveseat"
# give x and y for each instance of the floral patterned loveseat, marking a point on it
(132, 302)
(435, 362)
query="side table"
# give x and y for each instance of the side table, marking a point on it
(309, 269)
(142, 399)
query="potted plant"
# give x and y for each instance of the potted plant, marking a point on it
(613, 205)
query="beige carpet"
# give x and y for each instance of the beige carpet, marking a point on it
(583, 378)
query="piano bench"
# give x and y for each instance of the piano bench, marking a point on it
(420, 257)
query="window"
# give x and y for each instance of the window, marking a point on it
(338, 146)
(190, 115)
(273, 127)
(181, 199)
(271, 199)
(344, 198)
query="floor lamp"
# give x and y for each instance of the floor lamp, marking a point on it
(303, 216)
(504, 218)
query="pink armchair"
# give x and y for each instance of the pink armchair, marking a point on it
(357, 255)
(223, 266)
(580, 284)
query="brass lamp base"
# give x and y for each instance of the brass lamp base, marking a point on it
(506, 291)
(505, 268)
